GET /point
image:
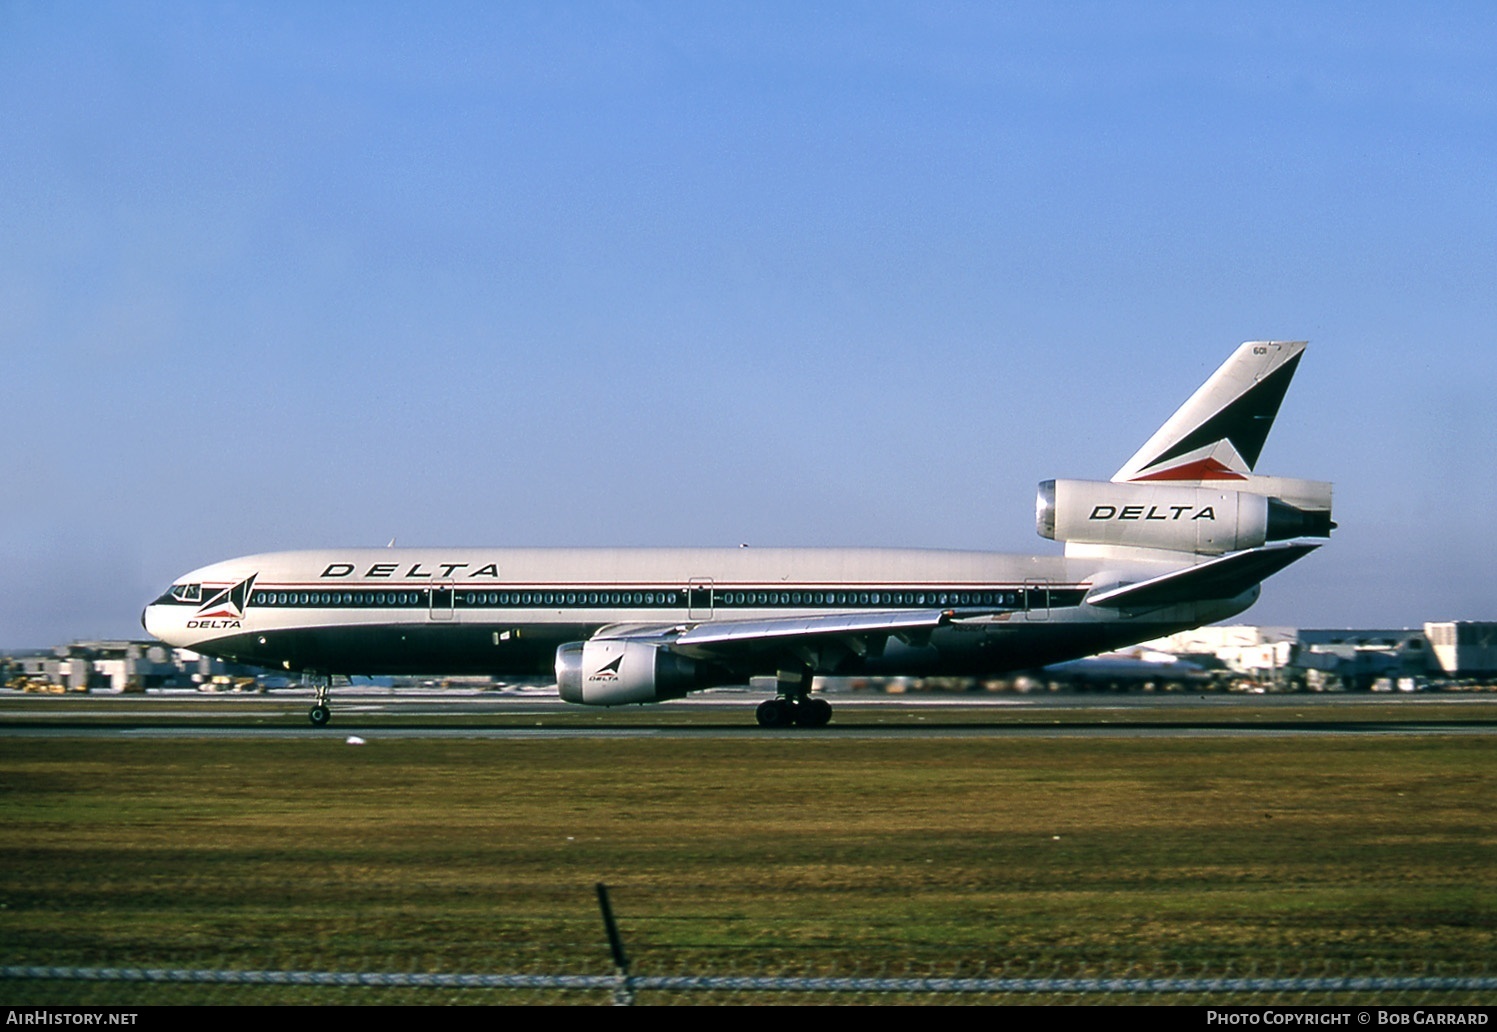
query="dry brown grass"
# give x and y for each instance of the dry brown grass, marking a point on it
(729, 854)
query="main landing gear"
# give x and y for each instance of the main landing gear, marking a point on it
(320, 713)
(793, 703)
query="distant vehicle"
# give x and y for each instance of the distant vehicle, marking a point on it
(1181, 536)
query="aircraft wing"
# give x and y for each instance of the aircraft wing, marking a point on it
(1226, 577)
(722, 640)
(904, 622)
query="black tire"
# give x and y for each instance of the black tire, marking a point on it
(813, 713)
(774, 713)
(320, 715)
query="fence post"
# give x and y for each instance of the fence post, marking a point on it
(623, 991)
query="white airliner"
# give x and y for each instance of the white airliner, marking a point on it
(1180, 537)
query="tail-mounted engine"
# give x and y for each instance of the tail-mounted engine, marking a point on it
(617, 672)
(1179, 518)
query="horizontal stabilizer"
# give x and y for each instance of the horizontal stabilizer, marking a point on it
(1222, 578)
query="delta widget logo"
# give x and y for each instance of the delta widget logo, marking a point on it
(609, 671)
(224, 610)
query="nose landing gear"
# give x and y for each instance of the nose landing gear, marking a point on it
(320, 712)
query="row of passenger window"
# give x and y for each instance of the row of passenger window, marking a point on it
(422, 597)
(1009, 599)
(569, 598)
(870, 598)
(357, 599)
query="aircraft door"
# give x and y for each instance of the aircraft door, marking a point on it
(1037, 599)
(442, 601)
(699, 599)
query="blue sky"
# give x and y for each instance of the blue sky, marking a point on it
(291, 275)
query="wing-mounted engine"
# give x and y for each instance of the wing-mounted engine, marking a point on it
(1199, 519)
(620, 671)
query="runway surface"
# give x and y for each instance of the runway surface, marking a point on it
(387, 714)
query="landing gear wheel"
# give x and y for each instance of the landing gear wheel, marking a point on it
(322, 684)
(813, 713)
(775, 713)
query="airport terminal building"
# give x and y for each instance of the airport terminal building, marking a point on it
(1320, 659)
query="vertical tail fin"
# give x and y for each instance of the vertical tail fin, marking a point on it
(1219, 433)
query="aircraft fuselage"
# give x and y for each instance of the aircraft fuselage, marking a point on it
(505, 612)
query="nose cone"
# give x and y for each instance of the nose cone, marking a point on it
(150, 621)
(158, 622)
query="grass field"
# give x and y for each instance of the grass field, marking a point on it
(748, 851)
(723, 855)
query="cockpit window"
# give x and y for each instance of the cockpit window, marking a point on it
(187, 592)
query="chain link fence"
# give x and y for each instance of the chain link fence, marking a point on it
(1022, 984)
(1058, 981)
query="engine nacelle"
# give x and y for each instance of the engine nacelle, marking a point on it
(1200, 520)
(617, 672)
